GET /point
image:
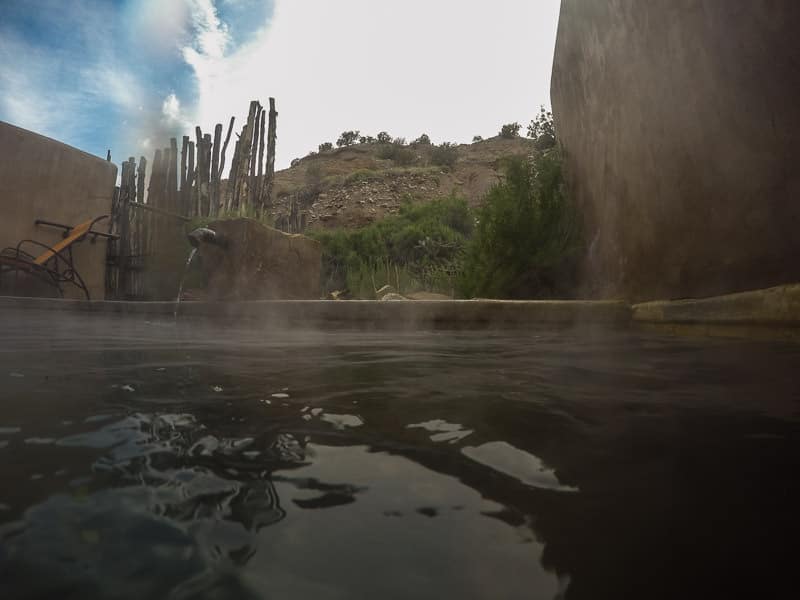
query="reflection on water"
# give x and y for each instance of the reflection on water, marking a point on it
(161, 459)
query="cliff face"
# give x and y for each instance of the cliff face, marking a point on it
(680, 122)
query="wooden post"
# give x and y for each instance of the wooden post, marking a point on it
(141, 228)
(126, 195)
(190, 182)
(231, 195)
(226, 201)
(154, 198)
(172, 181)
(251, 181)
(243, 162)
(271, 140)
(205, 200)
(259, 200)
(198, 141)
(184, 203)
(215, 176)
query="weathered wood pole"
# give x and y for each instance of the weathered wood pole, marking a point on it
(183, 203)
(251, 181)
(205, 176)
(245, 152)
(196, 202)
(190, 182)
(272, 136)
(215, 201)
(231, 195)
(259, 187)
(225, 202)
(172, 181)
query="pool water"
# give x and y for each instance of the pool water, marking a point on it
(162, 459)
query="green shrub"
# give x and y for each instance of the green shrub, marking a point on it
(400, 154)
(348, 138)
(510, 130)
(325, 147)
(423, 140)
(384, 138)
(444, 155)
(542, 129)
(477, 138)
(527, 240)
(420, 248)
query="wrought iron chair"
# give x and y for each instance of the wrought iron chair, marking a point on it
(55, 265)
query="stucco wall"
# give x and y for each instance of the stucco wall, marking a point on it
(41, 178)
(680, 122)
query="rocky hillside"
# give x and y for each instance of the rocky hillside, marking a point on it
(355, 185)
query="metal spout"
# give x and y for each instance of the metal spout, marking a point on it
(206, 236)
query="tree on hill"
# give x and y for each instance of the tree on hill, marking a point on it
(528, 238)
(542, 129)
(477, 138)
(366, 139)
(325, 147)
(423, 140)
(510, 130)
(384, 138)
(348, 138)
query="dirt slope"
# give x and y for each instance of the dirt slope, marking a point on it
(353, 186)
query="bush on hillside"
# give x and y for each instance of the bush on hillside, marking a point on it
(477, 138)
(401, 155)
(366, 139)
(384, 138)
(527, 241)
(444, 155)
(325, 147)
(348, 138)
(423, 140)
(423, 246)
(510, 130)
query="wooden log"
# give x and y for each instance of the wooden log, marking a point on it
(141, 227)
(155, 194)
(225, 202)
(271, 141)
(231, 196)
(251, 181)
(126, 195)
(260, 177)
(215, 176)
(196, 206)
(190, 182)
(172, 181)
(184, 202)
(204, 177)
(245, 151)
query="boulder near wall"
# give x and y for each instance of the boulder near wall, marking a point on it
(261, 263)
(680, 124)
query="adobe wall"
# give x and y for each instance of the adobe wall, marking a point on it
(680, 122)
(41, 178)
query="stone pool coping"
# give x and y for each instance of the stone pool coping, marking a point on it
(772, 313)
(391, 314)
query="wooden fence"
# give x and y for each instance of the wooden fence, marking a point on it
(151, 222)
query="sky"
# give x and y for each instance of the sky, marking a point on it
(126, 75)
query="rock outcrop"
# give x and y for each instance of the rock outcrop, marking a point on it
(681, 130)
(256, 262)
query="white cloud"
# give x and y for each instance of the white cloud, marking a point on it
(171, 109)
(451, 68)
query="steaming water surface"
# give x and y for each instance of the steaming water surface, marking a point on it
(149, 459)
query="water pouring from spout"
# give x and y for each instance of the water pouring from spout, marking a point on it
(183, 278)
